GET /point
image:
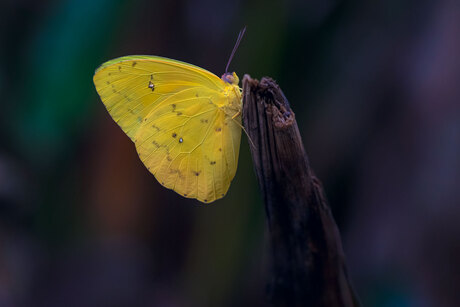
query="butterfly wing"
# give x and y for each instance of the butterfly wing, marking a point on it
(132, 86)
(172, 111)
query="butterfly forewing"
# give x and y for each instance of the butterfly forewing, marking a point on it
(131, 86)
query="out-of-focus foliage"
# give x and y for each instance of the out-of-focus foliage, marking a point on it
(375, 89)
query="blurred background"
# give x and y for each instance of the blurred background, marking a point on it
(375, 86)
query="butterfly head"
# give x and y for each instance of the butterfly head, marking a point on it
(231, 77)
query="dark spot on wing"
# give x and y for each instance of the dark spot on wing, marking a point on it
(119, 68)
(173, 107)
(179, 113)
(107, 82)
(203, 121)
(151, 86)
(196, 173)
(220, 149)
(168, 158)
(151, 77)
(174, 135)
(156, 144)
(134, 64)
(196, 95)
(218, 129)
(212, 162)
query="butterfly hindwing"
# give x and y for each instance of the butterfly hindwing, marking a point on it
(183, 144)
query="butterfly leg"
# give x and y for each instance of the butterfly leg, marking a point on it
(236, 114)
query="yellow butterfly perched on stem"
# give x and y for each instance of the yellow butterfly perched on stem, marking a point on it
(184, 120)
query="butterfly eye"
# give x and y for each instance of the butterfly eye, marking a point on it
(228, 77)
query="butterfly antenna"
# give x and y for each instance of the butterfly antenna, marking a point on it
(238, 41)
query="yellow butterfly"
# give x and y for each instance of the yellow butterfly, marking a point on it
(184, 120)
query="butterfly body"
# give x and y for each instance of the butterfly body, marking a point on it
(185, 121)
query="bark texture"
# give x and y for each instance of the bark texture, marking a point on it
(308, 264)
